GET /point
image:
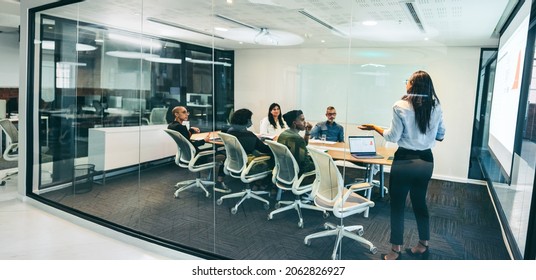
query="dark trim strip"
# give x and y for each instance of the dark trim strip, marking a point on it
(512, 244)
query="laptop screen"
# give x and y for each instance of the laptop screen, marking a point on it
(362, 145)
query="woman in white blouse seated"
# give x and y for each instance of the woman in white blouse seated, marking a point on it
(273, 124)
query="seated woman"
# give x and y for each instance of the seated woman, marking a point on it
(273, 124)
(253, 146)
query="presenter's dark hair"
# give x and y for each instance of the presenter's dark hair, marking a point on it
(241, 117)
(271, 118)
(422, 96)
(291, 116)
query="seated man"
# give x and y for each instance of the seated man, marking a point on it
(332, 130)
(181, 115)
(295, 143)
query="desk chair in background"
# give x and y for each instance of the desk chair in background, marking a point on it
(237, 165)
(285, 177)
(187, 157)
(330, 194)
(158, 116)
(11, 153)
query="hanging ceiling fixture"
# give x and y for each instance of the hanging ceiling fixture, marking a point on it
(259, 35)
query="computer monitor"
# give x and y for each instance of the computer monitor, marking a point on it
(115, 102)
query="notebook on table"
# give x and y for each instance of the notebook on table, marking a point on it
(363, 146)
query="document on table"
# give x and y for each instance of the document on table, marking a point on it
(321, 142)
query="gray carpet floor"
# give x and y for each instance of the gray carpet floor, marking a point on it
(463, 222)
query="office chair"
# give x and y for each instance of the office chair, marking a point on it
(99, 109)
(237, 165)
(330, 194)
(158, 116)
(285, 177)
(187, 157)
(11, 153)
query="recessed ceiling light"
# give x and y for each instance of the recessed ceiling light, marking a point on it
(322, 41)
(229, 1)
(369, 22)
(72, 63)
(85, 47)
(221, 29)
(132, 55)
(164, 60)
(426, 38)
(135, 40)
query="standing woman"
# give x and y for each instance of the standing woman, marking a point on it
(417, 123)
(273, 124)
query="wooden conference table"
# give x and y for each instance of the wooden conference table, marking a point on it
(338, 151)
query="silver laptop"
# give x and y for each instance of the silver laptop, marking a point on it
(363, 146)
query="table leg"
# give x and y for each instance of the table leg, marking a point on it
(369, 192)
(382, 182)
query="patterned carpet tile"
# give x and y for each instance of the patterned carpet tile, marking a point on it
(462, 220)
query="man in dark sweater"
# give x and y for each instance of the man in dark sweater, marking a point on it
(181, 115)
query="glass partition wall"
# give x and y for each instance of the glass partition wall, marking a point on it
(107, 73)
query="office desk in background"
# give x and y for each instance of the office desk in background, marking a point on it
(116, 147)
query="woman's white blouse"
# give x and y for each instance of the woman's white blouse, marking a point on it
(405, 132)
(267, 129)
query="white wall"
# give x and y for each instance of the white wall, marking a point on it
(9, 56)
(266, 76)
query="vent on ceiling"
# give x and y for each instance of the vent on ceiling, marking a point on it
(325, 24)
(413, 12)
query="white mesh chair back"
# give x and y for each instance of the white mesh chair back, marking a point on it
(329, 182)
(10, 130)
(237, 158)
(185, 149)
(286, 168)
(11, 153)
(328, 188)
(158, 116)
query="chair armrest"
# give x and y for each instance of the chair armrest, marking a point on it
(205, 153)
(356, 188)
(260, 159)
(202, 154)
(360, 187)
(299, 189)
(11, 153)
(255, 161)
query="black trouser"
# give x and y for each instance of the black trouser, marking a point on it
(411, 172)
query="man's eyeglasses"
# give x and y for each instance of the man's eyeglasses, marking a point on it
(331, 114)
